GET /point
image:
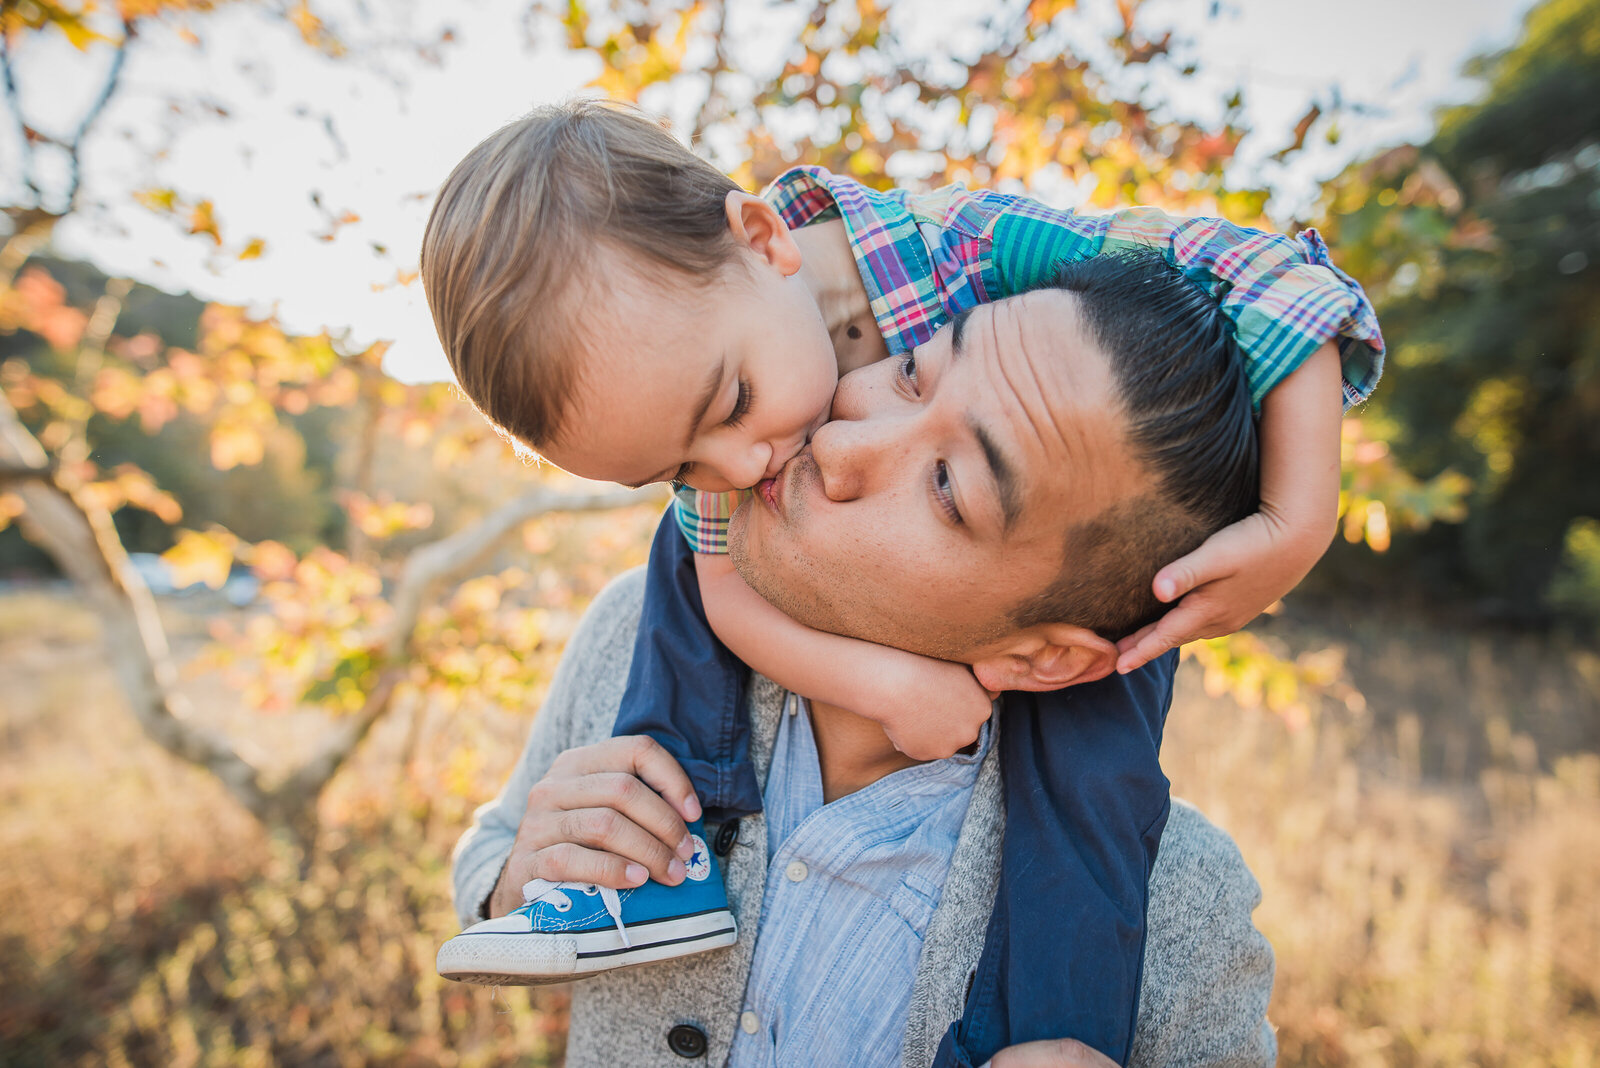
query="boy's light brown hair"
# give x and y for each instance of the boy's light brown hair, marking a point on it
(515, 225)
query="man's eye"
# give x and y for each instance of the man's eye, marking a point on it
(944, 493)
(908, 367)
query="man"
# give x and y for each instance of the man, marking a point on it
(1015, 447)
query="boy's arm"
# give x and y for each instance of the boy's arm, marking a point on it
(1283, 295)
(930, 708)
(1287, 301)
(1242, 569)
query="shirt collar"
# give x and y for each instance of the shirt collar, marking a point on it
(889, 250)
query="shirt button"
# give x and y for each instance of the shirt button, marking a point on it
(727, 834)
(796, 871)
(687, 1040)
(749, 1022)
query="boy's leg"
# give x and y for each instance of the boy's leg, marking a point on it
(1086, 802)
(684, 691)
(684, 687)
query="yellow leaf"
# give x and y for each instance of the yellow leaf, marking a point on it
(201, 557)
(203, 220)
(79, 34)
(157, 199)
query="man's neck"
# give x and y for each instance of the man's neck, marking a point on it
(853, 751)
(828, 270)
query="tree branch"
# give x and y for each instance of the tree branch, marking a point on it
(80, 537)
(17, 471)
(8, 79)
(424, 569)
(75, 146)
(719, 66)
(457, 553)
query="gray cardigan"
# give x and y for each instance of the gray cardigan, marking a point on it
(1207, 973)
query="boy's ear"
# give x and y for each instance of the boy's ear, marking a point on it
(1046, 657)
(756, 225)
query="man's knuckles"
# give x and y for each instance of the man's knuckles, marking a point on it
(591, 826)
(638, 749)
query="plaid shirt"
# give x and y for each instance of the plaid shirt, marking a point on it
(927, 257)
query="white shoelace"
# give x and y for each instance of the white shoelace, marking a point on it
(556, 894)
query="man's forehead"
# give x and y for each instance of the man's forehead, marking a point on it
(1045, 416)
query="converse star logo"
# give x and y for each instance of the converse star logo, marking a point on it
(699, 865)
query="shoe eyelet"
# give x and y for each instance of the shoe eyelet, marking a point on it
(591, 891)
(563, 905)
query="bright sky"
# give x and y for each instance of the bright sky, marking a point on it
(380, 145)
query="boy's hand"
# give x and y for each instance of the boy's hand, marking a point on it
(1242, 569)
(931, 709)
(1235, 576)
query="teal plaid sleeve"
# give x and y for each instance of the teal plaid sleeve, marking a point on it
(1283, 295)
(703, 518)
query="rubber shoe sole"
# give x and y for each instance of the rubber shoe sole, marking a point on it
(498, 959)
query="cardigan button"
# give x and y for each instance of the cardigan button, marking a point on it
(687, 1040)
(727, 834)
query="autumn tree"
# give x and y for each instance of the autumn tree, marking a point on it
(1481, 246)
(345, 631)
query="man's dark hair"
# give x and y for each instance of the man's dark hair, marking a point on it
(1180, 379)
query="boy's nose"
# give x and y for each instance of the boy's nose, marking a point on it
(750, 466)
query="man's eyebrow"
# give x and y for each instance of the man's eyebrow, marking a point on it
(708, 393)
(958, 332)
(1005, 475)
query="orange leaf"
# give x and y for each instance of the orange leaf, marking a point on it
(203, 220)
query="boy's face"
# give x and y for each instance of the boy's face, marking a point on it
(716, 384)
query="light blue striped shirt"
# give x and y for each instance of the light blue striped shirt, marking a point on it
(851, 887)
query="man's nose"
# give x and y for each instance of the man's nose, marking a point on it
(854, 455)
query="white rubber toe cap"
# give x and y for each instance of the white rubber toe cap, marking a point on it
(513, 923)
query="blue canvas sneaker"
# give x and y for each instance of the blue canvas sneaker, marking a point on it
(573, 930)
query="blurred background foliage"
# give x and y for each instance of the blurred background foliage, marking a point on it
(1405, 750)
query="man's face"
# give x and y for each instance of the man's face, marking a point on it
(940, 495)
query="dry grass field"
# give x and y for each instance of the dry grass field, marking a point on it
(1429, 865)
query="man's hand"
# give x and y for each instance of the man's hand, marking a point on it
(599, 816)
(1242, 569)
(1051, 1053)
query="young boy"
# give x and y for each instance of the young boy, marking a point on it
(612, 301)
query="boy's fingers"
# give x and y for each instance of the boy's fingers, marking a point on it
(1144, 650)
(1206, 564)
(1183, 624)
(1224, 553)
(1175, 580)
(1129, 644)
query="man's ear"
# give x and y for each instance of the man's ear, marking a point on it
(1046, 657)
(756, 225)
